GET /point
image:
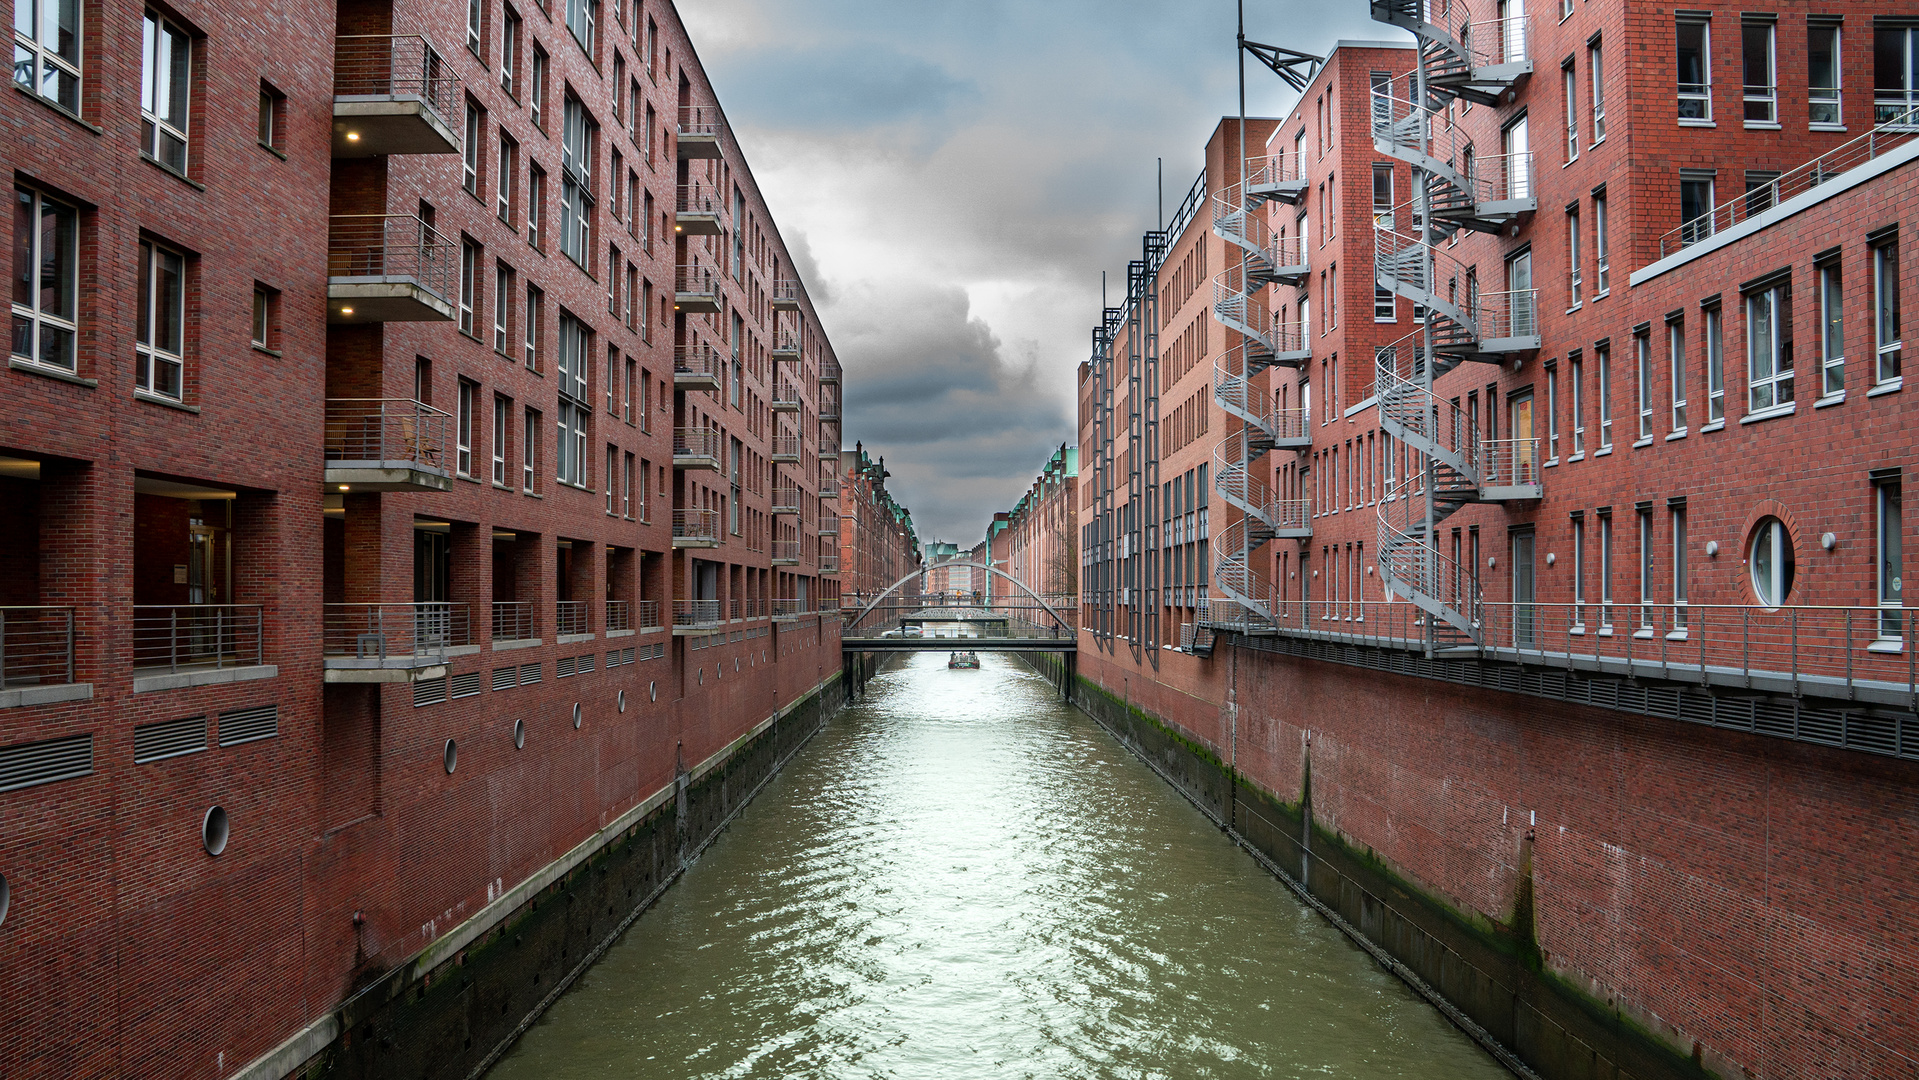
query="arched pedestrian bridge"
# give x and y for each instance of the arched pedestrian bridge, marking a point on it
(900, 621)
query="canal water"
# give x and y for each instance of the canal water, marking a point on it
(961, 877)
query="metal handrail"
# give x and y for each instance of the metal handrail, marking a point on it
(697, 442)
(1234, 306)
(691, 524)
(697, 196)
(175, 637)
(698, 359)
(619, 615)
(786, 393)
(514, 620)
(787, 342)
(701, 120)
(648, 613)
(829, 564)
(786, 551)
(698, 613)
(696, 278)
(36, 645)
(375, 631)
(786, 499)
(786, 446)
(383, 247)
(1887, 133)
(386, 429)
(787, 290)
(570, 617)
(374, 66)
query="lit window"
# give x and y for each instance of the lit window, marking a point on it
(46, 282)
(46, 49)
(1770, 557)
(167, 54)
(160, 332)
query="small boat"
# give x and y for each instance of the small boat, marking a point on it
(963, 660)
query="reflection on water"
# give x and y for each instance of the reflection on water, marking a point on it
(961, 877)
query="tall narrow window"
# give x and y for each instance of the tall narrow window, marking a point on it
(509, 52)
(536, 207)
(1575, 274)
(582, 18)
(1822, 74)
(530, 452)
(1576, 402)
(1715, 366)
(1678, 513)
(1695, 207)
(161, 321)
(470, 150)
(1579, 572)
(612, 470)
(1519, 160)
(1602, 362)
(503, 178)
(1676, 363)
(1832, 330)
(1602, 247)
(46, 50)
(463, 430)
(1693, 54)
(1889, 565)
(1642, 383)
(46, 280)
(1605, 572)
(262, 318)
(1769, 348)
(475, 19)
(1761, 89)
(1569, 82)
(536, 87)
(469, 283)
(501, 408)
(1595, 63)
(1885, 310)
(535, 318)
(1552, 412)
(1895, 73)
(168, 59)
(578, 139)
(1647, 583)
(502, 303)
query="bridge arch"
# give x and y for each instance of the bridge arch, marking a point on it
(891, 589)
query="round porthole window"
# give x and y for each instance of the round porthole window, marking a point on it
(214, 830)
(653, 691)
(622, 701)
(6, 898)
(450, 757)
(519, 734)
(1769, 556)
(576, 716)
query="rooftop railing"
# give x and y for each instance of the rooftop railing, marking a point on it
(36, 646)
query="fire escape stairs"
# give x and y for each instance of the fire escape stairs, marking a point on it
(1453, 68)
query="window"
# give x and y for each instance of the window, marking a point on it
(582, 17)
(1602, 248)
(1596, 63)
(469, 283)
(509, 52)
(1602, 361)
(577, 140)
(626, 392)
(573, 437)
(1715, 366)
(1889, 567)
(576, 348)
(504, 182)
(536, 88)
(619, 81)
(576, 343)
(1693, 53)
(1568, 81)
(1519, 160)
(160, 333)
(168, 57)
(1832, 337)
(626, 487)
(612, 470)
(1642, 384)
(1770, 556)
(1895, 72)
(1695, 206)
(1521, 299)
(614, 172)
(1769, 348)
(1762, 91)
(1574, 273)
(535, 318)
(475, 20)
(46, 50)
(613, 380)
(502, 304)
(535, 206)
(470, 149)
(1822, 75)
(1576, 386)
(1552, 412)
(1646, 579)
(502, 407)
(463, 430)
(46, 280)
(1579, 572)
(1605, 572)
(1678, 514)
(1676, 358)
(1885, 309)
(272, 118)
(266, 312)
(1762, 191)
(530, 452)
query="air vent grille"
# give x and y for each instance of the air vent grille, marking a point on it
(26, 764)
(170, 738)
(466, 684)
(247, 725)
(429, 691)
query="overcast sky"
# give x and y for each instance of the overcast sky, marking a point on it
(957, 176)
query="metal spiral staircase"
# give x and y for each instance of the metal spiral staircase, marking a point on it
(1448, 462)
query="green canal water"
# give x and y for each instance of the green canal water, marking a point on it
(961, 877)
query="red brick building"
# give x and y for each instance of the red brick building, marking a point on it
(416, 452)
(1662, 545)
(1041, 538)
(877, 543)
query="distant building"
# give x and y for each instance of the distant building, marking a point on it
(1037, 541)
(877, 543)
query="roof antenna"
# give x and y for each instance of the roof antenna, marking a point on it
(1102, 290)
(1162, 193)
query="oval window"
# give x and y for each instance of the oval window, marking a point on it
(1771, 561)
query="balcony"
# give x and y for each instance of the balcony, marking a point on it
(696, 209)
(700, 131)
(786, 450)
(387, 268)
(786, 346)
(386, 444)
(377, 643)
(697, 448)
(786, 295)
(570, 619)
(696, 288)
(829, 480)
(696, 367)
(786, 397)
(696, 529)
(174, 638)
(647, 613)
(393, 94)
(829, 525)
(786, 553)
(697, 616)
(829, 406)
(36, 656)
(786, 500)
(513, 621)
(829, 374)
(619, 617)
(787, 609)
(829, 564)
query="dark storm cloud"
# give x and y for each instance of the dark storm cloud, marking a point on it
(952, 179)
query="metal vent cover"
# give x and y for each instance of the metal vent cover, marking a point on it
(27, 764)
(429, 691)
(563, 667)
(586, 664)
(529, 673)
(248, 725)
(170, 738)
(506, 678)
(466, 684)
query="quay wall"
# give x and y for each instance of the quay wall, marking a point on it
(1592, 893)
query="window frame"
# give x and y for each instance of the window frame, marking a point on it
(1777, 301)
(464, 401)
(502, 427)
(1832, 329)
(1569, 93)
(1602, 243)
(1767, 95)
(1836, 119)
(37, 320)
(1676, 365)
(1889, 557)
(158, 30)
(52, 63)
(1888, 335)
(1595, 62)
(150, 357)
(1700, 96)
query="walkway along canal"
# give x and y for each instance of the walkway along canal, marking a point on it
(961, 876)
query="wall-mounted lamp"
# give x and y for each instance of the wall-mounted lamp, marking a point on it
(1712, 549)
(1828, 541)
(1551, 558)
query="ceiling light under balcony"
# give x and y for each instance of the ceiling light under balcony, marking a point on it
(353, 136)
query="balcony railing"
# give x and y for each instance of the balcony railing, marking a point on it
(696, 287)
(648, 613)
(372, 258)
(619, 615)
(786, 552)
(786, 294)
(382, 432)
(829, 404)
(786, 448)
(1894, 126)
(188, 637)
(513, 620)
(36, 646)
(697, 445)
(697, 366)
(697, 208)
(786, 397)
(698, 613)
(384, 632)
(570, 617)
(829, 564)
(786, 345)
(787, 607)
(696, 525)
(700, 131)
(786, 500)
(829, 524)
(393, 94)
